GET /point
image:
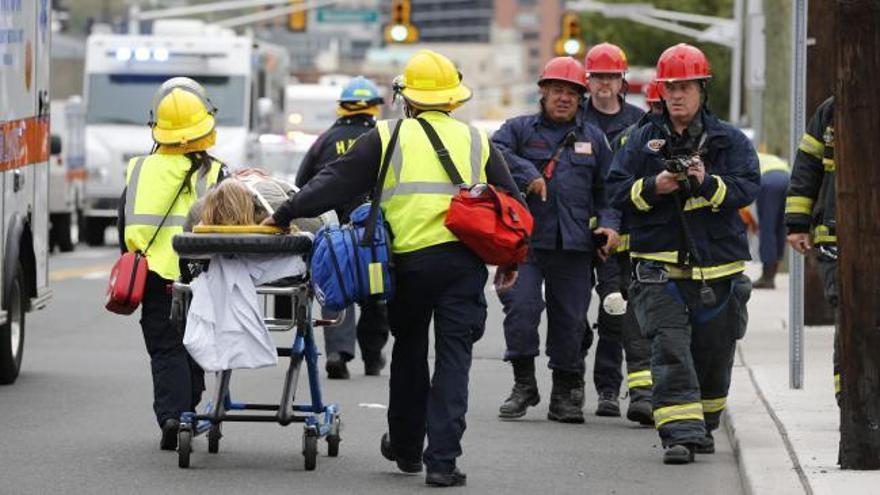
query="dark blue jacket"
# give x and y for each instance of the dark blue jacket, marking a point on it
(615, 124)
(332, 144)
(576, 192)
(732, 182)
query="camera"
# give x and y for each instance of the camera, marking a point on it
(677, 164)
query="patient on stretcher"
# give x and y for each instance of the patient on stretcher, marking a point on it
(247, 198)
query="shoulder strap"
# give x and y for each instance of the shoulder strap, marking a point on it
(370, 227)
(189, 174)
(442, 153)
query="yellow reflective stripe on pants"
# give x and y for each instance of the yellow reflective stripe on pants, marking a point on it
(639, 379)
(799, 204)
(812, 146)
(714, 405)
(692, 411)
(635, 194)
(837, 383)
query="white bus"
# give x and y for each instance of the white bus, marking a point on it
(24, 179)
(243, 78)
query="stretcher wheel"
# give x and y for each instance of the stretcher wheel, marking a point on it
(188, 243)
(184, 447)
(333, 438)
(214, 436)
(310, 448)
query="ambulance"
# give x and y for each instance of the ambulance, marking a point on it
(244, 78)
(24, 172)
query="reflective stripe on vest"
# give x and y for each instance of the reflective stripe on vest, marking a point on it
(152, 182)
(417, 191)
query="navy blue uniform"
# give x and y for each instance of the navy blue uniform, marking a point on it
(609, 348)
(562, 243)
(372, 326)
(692, 344)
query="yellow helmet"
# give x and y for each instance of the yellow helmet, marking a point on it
(181, 113)
(431, 81)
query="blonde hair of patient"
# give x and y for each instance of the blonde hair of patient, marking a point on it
(230, 203)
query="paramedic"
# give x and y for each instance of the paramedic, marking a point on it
(437, 277)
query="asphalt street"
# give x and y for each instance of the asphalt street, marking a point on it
(79, 420)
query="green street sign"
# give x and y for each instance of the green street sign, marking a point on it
(337, 16)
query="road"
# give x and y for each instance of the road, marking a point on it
(79, 420)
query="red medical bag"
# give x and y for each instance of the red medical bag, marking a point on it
(127, 281)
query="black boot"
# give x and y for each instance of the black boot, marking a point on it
(170, 427)
(608, 405)
(768, 277)
(678, 454)
(336, 367)
(567, 397)
(525, 390)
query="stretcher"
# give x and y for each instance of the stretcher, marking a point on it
(319, 419)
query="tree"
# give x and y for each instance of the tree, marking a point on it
(858, 206)
(644, 44)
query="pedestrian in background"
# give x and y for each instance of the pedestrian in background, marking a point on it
(771, 217)
(438, 278)
(681, 179)
(160, 190)
(561, 161)
(359, 105)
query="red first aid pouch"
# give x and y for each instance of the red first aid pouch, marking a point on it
(127, 281)
(492, 223)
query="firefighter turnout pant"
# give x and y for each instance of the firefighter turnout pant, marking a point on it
(828, 274)
(692, 348)
(565, 279)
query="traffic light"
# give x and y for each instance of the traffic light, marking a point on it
(296, 21)
(570, 41)
(399, 28)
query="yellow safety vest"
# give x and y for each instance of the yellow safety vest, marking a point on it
(152, 182)
(769, 163)
(417, 191)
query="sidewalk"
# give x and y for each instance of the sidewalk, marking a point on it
(786, 440)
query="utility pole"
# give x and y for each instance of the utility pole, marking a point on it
(858, 231)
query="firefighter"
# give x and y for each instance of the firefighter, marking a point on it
(183, 128)
(606, 108)
(771, 217)
(437, 277)
(359, 105)
(810, 208)
(561, 161)
(681, 180)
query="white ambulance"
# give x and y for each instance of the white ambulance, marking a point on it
(243, 77)
(24, 179)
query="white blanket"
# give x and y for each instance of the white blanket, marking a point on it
(224, 326)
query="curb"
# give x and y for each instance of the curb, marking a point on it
(766, 461)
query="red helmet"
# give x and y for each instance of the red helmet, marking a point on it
(682, 62)
(605, 58)
(653, 91)
(564, 69)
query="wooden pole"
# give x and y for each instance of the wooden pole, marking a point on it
(858, 209)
